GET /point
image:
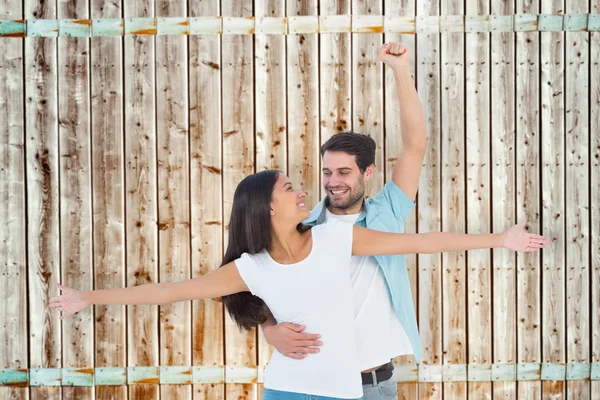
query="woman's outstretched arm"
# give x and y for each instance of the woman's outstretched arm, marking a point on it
(221, 282)
(367, 242)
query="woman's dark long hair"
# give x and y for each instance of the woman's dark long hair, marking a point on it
(250, 232)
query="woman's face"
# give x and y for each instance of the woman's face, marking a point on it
(287, 203)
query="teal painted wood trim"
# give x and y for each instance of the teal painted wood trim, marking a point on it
(13, 28)
(140, 26)
(526, 22)
(110, 376)
(172, 26)
(576, 22)
(78, 377)
(454, 372)
(406, 373)
(108, 27)
(593, 23)
(578, 371)
(502, 23)
(206, 26)
(137, 375)
(14, 377)
(504, 372)
(208, 374)
(479, 372)
(75, 27)
(430, 373)
(174, 375)
(45, 377)
(550, 23)
(528, 372)
(42, 28)
(554, 372)
(595, 372)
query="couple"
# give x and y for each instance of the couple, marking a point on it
(287, 270)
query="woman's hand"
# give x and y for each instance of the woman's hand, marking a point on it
(69, 302)
(517, 239)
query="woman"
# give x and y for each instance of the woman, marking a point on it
(273, 256)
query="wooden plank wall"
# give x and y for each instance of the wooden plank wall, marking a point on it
(119, 159)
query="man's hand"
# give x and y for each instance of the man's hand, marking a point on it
(395, 56)
(289, 340)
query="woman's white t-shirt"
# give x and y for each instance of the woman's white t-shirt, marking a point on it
(315, 292)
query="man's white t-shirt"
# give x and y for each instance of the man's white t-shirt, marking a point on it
(315, 292)
(379, 333)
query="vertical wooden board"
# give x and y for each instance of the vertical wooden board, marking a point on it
(173, 192)
(577, 200)
(75, 191)
(528, 198)
(238, 162)
(206, 205)
(393, 147)
(503, 211)
(429, 201)
(108, 195)
(367, 81)
(303, 104)
(271, 111)
(13, 236)
(553, 210)
(594, 64)
(335, 74)
(479, 197)
(141, 194)
(453, 198)
(43, 236)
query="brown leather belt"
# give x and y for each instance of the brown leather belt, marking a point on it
(381, 374)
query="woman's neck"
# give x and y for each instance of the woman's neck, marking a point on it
(288, 245)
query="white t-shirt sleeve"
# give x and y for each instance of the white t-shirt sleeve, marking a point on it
(341, 232)
(248, 270)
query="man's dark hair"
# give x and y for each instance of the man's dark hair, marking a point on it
(356, 144)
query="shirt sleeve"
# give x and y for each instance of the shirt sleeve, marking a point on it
(248, 270)
(398, 201)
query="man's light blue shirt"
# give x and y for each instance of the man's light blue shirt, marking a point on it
(387, 212)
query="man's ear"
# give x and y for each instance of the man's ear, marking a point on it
(369, 172)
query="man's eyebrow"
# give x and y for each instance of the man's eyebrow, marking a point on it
(339, 169)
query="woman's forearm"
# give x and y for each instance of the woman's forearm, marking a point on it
(152, 293)
(439, 242)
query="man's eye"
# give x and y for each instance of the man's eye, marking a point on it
(343, 173)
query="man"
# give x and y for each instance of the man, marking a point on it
(386, 324)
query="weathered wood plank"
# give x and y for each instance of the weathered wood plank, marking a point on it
(108, 194)
(206, 205)
(75, 191)
(173, 192)
(303, 104)
(43, 233)
(453, 199)
(271, 111)
(479, 198)
(503, 196)
(140, 196)
(528, 198)
(14, 346)
(594, 64)
(238, 162)
(367, 80)
(393, 147)
(553, 211)
(335, 102)
(577, 200)
(429, 201)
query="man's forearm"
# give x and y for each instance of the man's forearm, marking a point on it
(412, 117)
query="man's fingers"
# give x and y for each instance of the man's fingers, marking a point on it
(306, 343)
(296, 356)
(294, 327)
(304, 350)
(307, 336)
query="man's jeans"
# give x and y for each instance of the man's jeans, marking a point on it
(385, 390)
